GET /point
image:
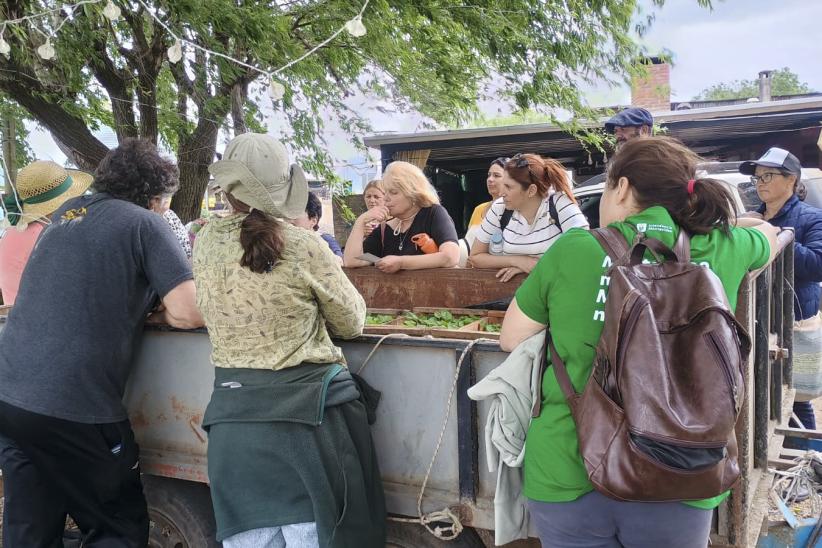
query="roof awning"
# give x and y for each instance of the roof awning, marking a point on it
(704, 130)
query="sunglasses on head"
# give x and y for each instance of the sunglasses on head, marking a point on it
(520, 161)
(501, 161)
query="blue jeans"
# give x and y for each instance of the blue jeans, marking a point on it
(803, 410)
(596, 521)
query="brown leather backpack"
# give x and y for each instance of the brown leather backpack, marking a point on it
(656, 419)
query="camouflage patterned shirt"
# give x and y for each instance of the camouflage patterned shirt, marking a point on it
(277, 319)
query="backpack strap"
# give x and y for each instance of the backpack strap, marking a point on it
(682, 247)
(505, 219)
(552, 210)
(617, 249)
(560, 372)
(612, 242)
(681, 251)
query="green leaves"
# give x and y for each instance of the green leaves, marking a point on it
(441, 318)
(434, 57)
(378, 319)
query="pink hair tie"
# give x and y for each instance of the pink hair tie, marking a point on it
(691, 184)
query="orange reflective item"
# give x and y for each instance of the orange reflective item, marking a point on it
(425, 243)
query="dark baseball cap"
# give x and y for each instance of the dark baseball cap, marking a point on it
(775, 157)
(630, 117)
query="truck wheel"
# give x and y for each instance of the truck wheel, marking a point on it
(180, 514)
(410, 535)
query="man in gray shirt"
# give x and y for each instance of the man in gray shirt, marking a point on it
(97, 271)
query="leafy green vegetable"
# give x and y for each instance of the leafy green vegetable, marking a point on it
(492, 327)
(441, 318)
(378, 319)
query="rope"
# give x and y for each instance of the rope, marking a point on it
(799, 481)
(447, 532)
(452, 531)
(376, 346)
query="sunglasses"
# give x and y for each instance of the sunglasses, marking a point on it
(501, 161)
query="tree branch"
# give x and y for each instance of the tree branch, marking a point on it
(239, 95)
(116, 83)
(85, 149)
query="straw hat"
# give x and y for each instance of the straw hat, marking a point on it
(255, 170)
(42, 187)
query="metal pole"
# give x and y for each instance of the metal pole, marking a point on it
(467, 431)
(777, 325)
(761, 373)
(788, 313)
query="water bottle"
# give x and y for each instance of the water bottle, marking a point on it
(496, 244)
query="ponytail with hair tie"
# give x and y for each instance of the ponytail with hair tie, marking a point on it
(655, 168)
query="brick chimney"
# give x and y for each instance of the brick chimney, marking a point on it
(654, 90)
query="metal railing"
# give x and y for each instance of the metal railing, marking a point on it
(765, 308)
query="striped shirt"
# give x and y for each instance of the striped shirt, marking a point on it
(520, 238)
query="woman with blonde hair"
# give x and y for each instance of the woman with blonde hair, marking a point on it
(415, 231)
(373, 195)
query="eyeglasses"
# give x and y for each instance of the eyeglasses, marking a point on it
(765, 178)
(501, 161)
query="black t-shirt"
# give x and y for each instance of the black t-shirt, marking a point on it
(433, 221)
(93, 276)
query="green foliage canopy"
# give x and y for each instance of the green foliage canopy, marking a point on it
(436, 57)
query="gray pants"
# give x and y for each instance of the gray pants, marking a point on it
(297, 535)
(595, 521)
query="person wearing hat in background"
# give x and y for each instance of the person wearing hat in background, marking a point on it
(777, 176)
(42, 187)
(629, 124)
(290, 456)
(626, 125)
(98, 269)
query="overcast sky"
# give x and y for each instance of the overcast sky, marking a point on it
(733, 42)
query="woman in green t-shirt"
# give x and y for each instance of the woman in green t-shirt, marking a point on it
(650, 187)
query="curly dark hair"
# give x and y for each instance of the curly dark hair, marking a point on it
(135, 172)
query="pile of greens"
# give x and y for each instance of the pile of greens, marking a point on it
(441, 318)
(378, 319)
(492, 327)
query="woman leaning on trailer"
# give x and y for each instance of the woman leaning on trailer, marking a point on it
(535, 207)
(412, 211)
(649, 188)
(290, 457)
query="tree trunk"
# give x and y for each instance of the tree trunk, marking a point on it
(194, 155)
(9, 153)
(239, 94)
